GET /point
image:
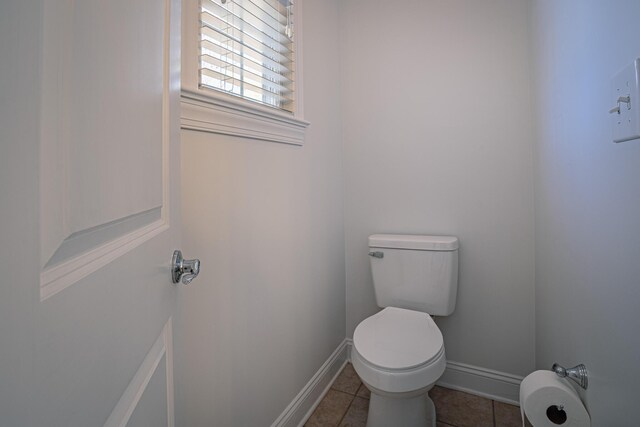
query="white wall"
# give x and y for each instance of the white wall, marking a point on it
(266, 220)
(437, 139)
(588, 203)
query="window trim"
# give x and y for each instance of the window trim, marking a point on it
(208, 110)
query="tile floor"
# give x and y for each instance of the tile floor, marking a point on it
(347, 402)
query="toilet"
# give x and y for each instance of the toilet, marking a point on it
(399, 352)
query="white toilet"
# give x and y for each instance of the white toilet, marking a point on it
(399, 352)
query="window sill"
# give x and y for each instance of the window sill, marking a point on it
(227, 116)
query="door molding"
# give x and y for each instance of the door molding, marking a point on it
(56, 278)
(163, 347)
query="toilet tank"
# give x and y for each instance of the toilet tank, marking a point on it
(415, 272)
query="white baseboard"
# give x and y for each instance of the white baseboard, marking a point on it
(303, 405)
(483, 382)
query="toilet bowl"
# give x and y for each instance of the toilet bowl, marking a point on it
(399, 355)
(399, 352)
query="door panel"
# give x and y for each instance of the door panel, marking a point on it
(114, 105)
(89, 189)
(104, 133)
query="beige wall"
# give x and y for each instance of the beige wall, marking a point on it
(437, 139)
(266, 220)
(588, 203)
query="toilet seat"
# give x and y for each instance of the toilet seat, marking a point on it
(398, 339)
(398, 350)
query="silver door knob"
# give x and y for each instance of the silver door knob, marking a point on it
(183, 269)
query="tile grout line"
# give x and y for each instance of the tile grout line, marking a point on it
(325, 398)
(353, 397)
(493, 410)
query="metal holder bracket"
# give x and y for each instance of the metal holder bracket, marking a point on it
(577, 374)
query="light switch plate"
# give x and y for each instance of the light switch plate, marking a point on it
(626, 121)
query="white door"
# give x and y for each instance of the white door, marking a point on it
(89, 157)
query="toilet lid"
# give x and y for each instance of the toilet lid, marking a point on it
(397, 338)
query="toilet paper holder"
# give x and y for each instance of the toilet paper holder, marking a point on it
(578, 374)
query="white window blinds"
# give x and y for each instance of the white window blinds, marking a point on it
(246, 49)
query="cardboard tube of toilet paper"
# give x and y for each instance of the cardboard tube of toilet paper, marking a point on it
(551, 401)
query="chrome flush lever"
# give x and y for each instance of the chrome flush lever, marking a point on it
(622, 99)
(184, 269)
(377, 254)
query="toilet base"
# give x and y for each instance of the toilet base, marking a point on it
(385, 411)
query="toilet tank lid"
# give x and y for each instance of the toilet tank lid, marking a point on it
(415, 242)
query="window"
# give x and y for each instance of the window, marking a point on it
(247, 50)
(242, 69)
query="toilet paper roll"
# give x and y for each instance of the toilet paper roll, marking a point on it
(550, 401)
